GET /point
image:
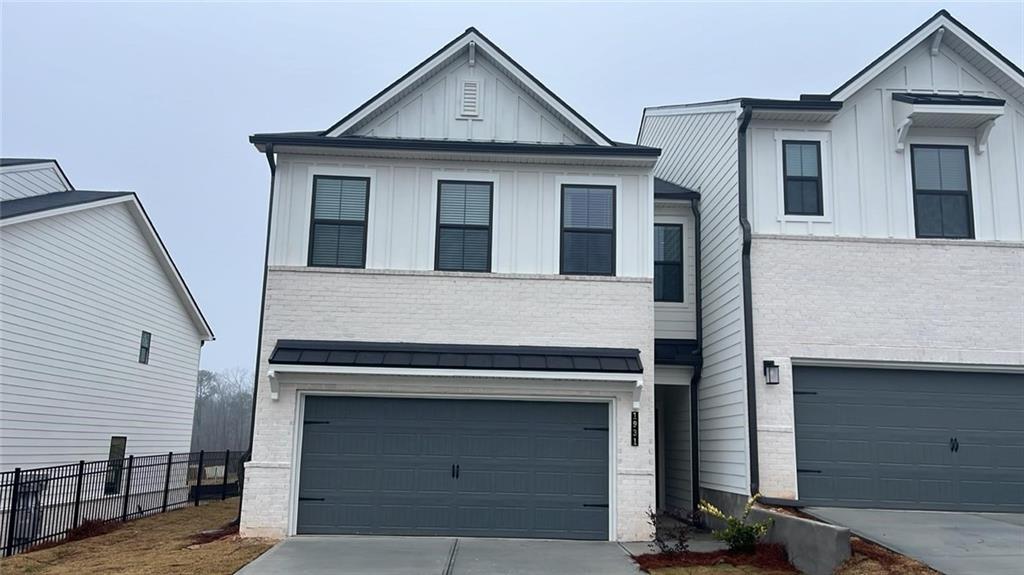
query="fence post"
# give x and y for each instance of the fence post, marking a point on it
(167, 480)
(78, 494)
(224, 480)
(12, 514)
(127, 489)
(199, 476)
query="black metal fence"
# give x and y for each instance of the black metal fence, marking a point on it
(45, 504)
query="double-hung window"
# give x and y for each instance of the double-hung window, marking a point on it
(144, 345)
(463, 226)
(942, 192)
(588, 230)
(801, 164)
(668, 262)
(337, 235)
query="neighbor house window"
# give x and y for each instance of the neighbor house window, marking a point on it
(463, 226)
(588, 230)
(338, 230)
(147, 339)
(942, 192)
(801, 164)
(668, 262)
(115, 465)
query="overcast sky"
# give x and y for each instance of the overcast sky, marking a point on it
(160, 98)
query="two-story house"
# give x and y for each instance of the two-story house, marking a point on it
(458, 326)
(863, 281)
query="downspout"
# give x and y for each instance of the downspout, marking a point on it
(695, 380)
(748, 316)
(247, 456)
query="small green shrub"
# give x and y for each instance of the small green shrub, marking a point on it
(740, 536)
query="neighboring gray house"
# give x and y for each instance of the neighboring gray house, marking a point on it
(864, 251)
(459, 319)
(99, 336)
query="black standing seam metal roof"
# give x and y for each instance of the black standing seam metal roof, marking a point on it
(456, 356)
(45, 202)
(676, 352)
(946, 99)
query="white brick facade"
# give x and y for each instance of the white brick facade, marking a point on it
(875, 300)
(376, 305)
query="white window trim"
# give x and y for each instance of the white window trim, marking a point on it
(456, 175)
(966, 141)
(585, 180)
(825, 141)
(314, 171)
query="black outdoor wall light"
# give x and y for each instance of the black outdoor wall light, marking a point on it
(771, 372)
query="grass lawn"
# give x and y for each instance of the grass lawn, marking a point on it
(157, 544)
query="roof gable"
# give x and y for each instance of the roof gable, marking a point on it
(26, 177)
(942, 31)
(424, 103)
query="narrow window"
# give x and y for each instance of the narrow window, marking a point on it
(801, 163)
(942, 192)
(144, 347)
(115, 465)
(668, 262)
(463, 226)
(338, 230)
(588, 230)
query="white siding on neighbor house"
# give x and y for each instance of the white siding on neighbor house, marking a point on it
(867, 183)
(30, 180)
(78, 290)
(507, 112)
(699, 152)
(675, 320)
(402, 211)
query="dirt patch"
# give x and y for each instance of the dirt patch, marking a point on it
(160, 544)
(870, 559)
(767, 558)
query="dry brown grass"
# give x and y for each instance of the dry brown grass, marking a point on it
(160, 544)
(871, 559)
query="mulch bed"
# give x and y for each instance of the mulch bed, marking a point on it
(768, 556)
(86, 529)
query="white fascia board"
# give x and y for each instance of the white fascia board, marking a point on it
(635, 380)
(697, 108)
(65, 210)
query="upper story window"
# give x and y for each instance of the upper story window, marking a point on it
(588, 230)
(942, 192)
(463, 226)
(668, 262)
(144, 344)
(337, 235)
(801, 161)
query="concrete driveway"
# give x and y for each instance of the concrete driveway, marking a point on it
(342, 555)
(953, 543)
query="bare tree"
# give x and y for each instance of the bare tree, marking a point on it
(223, 410)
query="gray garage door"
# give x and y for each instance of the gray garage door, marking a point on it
(454, 467)
(910, 439)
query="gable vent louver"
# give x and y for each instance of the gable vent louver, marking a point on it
(470, 99)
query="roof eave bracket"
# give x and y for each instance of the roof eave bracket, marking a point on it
(275, 385)
(981, 136)
(902, 131)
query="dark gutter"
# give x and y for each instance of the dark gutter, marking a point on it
(259, 333)
(946, 99)
(365, 142)
(748, 313)
(795, 105)
(695, 380)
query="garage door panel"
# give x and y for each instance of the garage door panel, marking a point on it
(883, 438)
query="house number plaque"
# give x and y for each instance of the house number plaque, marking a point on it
(634, 432)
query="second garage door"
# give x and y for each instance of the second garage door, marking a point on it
(910, 439)
(454, 467)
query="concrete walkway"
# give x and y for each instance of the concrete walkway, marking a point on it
(344, 555)
(953, 543)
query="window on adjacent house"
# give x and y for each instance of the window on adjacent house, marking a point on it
(588, 230)
(463, 226)
(801, 163)
(144, 347)
(942, 192)
(338, 229)
(668, 262)
(115, 465)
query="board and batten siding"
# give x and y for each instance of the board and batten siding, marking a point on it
(29, 180)
(402, 216)
(678, 320)
(699, 151)
(867, 183)
(672, 399)
(78, 289)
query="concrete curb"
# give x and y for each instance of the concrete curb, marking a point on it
(814, 548)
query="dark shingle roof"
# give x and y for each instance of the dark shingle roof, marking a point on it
(667, 190)
(456, 356)
(946, 99)
(44, 202)
(4, 162)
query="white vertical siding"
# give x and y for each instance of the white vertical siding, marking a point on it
(678, 320)
(78, 290)
(699, 152)
(29, 180)
(672, 397)
(402, 215)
